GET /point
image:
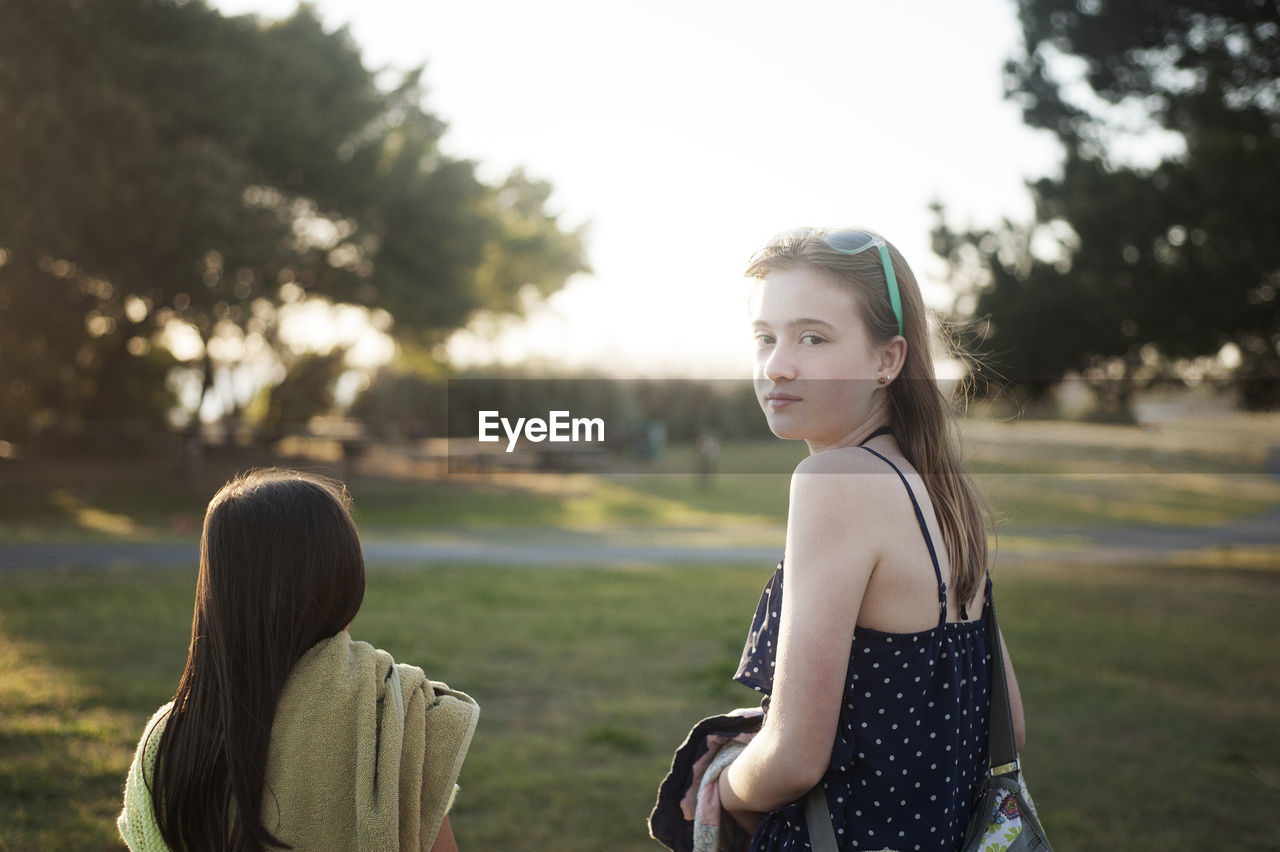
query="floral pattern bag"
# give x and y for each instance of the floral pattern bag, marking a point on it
(1003, 818)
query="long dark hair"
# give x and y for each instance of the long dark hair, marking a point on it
(280, 569)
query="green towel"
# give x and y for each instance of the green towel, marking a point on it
(349, 767)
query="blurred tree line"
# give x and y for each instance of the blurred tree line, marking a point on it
(1138, 271)
(163, 165)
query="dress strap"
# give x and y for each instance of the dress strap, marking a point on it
(924, 529)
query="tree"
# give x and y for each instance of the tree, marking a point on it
(163, 164)
(1133, 266)
(305, 391)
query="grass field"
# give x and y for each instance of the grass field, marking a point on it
(1151, 693)
(1152, 690)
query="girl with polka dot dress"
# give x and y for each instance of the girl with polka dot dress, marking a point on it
(870, 647)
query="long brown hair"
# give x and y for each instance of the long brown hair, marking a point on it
(280, 569)
(920, 415)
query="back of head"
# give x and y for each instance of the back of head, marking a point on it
(920, 413)
(281, 569)
(280, 564)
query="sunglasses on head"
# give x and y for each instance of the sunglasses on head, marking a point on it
(853, 241)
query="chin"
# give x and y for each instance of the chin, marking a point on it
(785, 427)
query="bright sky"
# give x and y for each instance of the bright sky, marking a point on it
(687, 133)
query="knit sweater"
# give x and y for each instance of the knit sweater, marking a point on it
(349, 766)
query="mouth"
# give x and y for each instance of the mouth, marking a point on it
(778, 401)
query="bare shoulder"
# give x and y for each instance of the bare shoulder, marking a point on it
(837, 481)
(837, 521)
(846, 460)
(846, 470)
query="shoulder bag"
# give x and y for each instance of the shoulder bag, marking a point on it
(1003, 816)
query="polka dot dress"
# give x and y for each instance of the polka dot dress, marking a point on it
(911, 745)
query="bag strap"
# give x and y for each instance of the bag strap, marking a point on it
(822, 837)
(1001, 742)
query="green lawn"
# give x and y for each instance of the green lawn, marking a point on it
(1151, 692)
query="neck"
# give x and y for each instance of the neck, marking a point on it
(864, 432)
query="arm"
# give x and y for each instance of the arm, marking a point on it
(444, 839)
(1015, 699)
(828, 564)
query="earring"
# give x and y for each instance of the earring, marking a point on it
(884, 380)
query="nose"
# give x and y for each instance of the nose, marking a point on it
(778, 363)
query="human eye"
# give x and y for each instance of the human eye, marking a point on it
(764, 339)
(812, 339)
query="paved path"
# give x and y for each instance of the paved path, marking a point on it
(515, 547)
(1262, 531)
(509, 551)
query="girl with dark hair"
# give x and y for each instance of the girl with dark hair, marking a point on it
(870, 648)
(284, 732)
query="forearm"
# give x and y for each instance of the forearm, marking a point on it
(760, 780)
(1015, 699)
(731, 801)
(736, 808)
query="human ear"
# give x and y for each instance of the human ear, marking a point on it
(893, 355)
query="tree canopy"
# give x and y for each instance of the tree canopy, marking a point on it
(1137, 263)
(162, 163)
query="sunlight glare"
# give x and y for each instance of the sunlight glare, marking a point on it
(318, 325)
